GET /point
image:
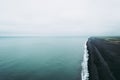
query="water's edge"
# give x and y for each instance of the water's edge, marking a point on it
(85, 73)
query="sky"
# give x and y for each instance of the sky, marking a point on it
(59, 17)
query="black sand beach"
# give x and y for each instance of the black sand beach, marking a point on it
(104, 58)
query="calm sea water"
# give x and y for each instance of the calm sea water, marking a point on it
(41, 58)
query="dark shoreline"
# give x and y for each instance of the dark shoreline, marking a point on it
(104, 58)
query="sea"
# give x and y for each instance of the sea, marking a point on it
(42, 58)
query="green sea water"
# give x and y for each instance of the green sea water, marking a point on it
(41, 58)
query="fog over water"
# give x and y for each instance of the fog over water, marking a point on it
(62, 56)
(59, 17)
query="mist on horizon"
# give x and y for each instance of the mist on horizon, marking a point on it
(59, 17)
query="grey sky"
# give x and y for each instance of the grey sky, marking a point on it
(60, 17)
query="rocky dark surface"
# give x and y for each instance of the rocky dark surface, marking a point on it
(104, 58)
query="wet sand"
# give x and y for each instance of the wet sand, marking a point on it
(104, 58)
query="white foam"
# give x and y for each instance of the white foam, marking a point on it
(84, 73)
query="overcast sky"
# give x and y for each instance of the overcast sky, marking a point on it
(60, 17)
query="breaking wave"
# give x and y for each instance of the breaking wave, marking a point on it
(84, 73)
